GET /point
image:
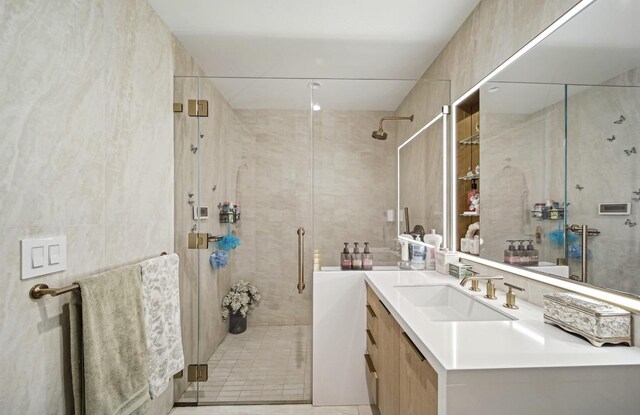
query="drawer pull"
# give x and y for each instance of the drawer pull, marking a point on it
(370, 366)
(370, 309)
(384, 306)
(413, 346)
(371, 337)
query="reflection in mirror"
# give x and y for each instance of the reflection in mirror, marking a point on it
(603, 182)
(559, 152)
(522, 159)
(420, 182)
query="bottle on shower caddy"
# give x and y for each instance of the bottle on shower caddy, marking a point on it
(356, 257)
(367, 258)
(345, 258)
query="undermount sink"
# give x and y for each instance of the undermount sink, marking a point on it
(445, 303)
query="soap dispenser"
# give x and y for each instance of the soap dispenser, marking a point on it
(533, 254)
(523, 259)
(510, 253)
(367, 258)
(356, 257)
(345, 258)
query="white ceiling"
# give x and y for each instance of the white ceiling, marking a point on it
(379, 39)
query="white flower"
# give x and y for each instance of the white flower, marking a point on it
(241, 297)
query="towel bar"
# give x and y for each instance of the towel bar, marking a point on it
(40, 290)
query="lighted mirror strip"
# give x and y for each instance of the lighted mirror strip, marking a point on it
(444, 115)
(625, 300)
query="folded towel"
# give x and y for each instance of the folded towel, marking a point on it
(108, 344)
(161, 296)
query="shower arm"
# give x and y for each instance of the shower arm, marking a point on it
(394, 119)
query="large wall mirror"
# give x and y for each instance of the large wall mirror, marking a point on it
(422, 207)
(547, 155)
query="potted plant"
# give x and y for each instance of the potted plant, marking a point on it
(241, 297)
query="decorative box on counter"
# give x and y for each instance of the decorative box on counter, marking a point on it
(594, 320)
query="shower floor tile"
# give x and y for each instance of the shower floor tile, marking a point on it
(263, 364)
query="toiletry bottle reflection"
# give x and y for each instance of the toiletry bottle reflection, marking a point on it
(510, 253)
(532, 254)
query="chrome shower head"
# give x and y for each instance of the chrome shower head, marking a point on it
(380, 134)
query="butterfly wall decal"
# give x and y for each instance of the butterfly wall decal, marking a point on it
(631, 151)
(611, 139)
(629, 223)
(620, 120)
(579, 187)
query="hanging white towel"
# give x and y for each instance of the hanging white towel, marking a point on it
(161, 297)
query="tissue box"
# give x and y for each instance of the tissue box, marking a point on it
(459, 270)
(594, 320)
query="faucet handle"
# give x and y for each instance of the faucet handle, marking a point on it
(511, 296)
(491, 287)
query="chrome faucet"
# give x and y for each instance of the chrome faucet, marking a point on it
(491, 288)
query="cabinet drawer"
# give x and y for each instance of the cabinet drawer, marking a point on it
(372, 321)
(374, 302)
(372, 347)
(372, 380)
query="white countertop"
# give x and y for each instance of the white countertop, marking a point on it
(527, 342)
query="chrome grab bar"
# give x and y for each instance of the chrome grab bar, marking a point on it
(300, 285)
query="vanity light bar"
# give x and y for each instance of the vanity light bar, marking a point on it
(420, 131)
(539, 38)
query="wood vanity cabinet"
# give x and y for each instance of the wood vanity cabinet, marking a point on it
(405, 383)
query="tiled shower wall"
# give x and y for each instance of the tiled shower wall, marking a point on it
(352, 185)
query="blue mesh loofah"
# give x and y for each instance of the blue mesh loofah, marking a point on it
(575, 251)
(228, 242)
(556, 237)
(219, 259)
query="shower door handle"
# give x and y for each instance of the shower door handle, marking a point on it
(300, 285)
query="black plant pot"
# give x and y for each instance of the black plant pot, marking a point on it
(237, 323)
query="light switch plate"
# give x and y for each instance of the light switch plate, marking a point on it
(43, 256)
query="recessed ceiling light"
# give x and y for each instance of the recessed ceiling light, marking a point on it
(316, 107)
(494, 89)
(315, 85)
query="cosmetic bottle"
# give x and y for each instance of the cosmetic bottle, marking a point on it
(434, 240)
(345, 258)
(510, 253)
(356, 257)
(419, 253)
(404, 262)
(523, 259)
(533, 254)
(472, 195)
(367, 258)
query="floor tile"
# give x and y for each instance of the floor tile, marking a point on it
(263, 364)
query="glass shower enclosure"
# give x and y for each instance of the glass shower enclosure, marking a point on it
(296, 160)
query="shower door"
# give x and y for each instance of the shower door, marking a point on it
(252, 152)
